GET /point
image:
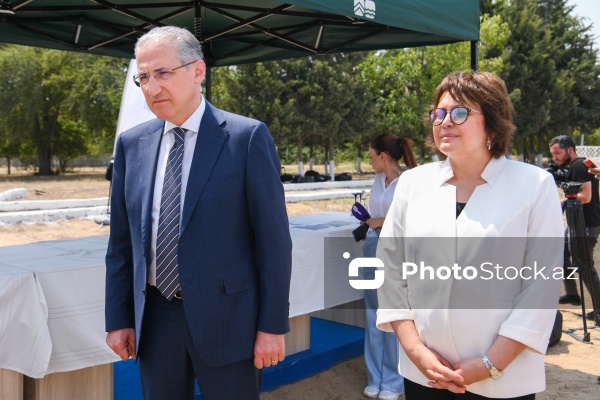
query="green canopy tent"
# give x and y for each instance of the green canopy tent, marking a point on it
(242, 31)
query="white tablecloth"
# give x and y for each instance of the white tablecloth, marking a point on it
(62, 307)
(25, 344)
(319, 283)
(52, 293)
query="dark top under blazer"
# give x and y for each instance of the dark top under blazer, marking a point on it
(234, 247)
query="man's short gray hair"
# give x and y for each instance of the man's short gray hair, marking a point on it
(183, 41)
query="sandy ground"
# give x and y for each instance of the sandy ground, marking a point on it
(86, 183)
(571, 366)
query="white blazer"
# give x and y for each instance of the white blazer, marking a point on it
(513, 220)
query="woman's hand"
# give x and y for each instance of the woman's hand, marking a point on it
(430, 363)
(375, 223)
(472, 370)
(439, 371)
(502, 352)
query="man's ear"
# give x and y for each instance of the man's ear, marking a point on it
(200, 69)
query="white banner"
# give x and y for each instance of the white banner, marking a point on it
(134, 109)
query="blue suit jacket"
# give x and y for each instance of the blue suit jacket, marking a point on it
(234, 246)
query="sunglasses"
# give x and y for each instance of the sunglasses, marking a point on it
(458, 115)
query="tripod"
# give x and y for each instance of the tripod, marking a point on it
(581, 254)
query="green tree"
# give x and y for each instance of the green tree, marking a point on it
(10, 147)
(70, 143)
(259, 91)
(332, 101)
(314, 101)
(402, 81)
(48, 92)
(94, 102)
(552, 73)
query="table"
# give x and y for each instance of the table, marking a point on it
(319, 269)
(52, 302)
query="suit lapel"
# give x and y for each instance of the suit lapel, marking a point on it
(148, 148)
(210, 141)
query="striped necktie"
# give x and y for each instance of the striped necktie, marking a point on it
(167, 236)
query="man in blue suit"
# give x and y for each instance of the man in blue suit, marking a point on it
(221, 313)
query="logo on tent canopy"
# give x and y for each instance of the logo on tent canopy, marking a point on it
(364, 8)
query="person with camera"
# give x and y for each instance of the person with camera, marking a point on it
(564, 154)
(381, 348)
(596, 172)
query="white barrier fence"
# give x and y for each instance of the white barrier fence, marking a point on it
(588, 151)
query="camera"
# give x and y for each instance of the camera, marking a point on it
(558, 173)
(571, 188)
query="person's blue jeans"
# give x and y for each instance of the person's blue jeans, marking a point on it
(381, 348)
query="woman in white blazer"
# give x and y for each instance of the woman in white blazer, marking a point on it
(462, 245)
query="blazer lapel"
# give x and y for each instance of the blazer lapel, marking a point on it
(210, 141)
(148, 148)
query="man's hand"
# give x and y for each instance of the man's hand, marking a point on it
(269, 349)
(595, 172)
(122, 342)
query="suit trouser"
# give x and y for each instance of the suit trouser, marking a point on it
(381, 348)
(169, 360)
(571, 284)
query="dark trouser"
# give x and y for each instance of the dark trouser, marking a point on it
(169, 360)
(571, 284)
(414, 391)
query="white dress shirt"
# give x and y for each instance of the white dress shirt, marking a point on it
(518, 202)
(381, 196)
(192, 126)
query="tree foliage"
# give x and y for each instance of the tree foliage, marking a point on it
(58, 104)
(312, 101)
(552, 72)
(402, 81)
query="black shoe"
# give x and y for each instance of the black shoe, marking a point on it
(590, 316)
(570, 299)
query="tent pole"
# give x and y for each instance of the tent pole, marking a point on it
(474, 56)
(198, 34)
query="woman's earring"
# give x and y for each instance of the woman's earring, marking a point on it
(489, 144)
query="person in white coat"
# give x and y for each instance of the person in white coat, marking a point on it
(451, 225)
(381, 348)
